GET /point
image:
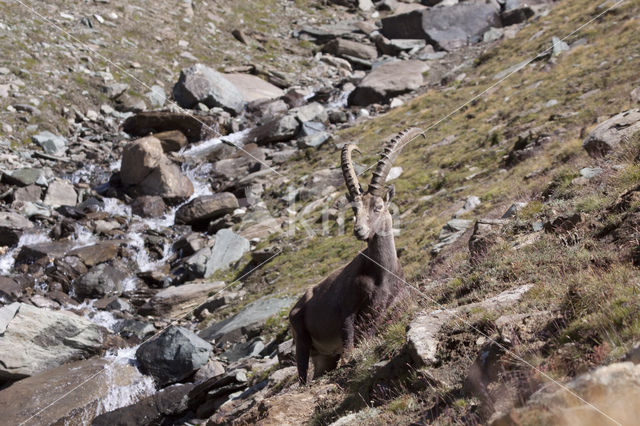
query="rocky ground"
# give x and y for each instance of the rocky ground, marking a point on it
(170, 187)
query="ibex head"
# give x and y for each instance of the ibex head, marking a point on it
(371, 208)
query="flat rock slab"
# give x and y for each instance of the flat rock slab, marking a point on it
(206, 207)
(201, 84)
(60, 193)
(423, 333)
(193, 127)
(35, 339)
(253, 88)
(97, 253)
(387, 81)
(450, 233)
(50, 143)
(228, 248)
(255, 314)
(608, 135)
(175, 301)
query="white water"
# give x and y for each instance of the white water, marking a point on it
(142, 259)
(101, 318)
(203, 148)
(82, 237)
(115, 207)
(8, 259)
(119, 396)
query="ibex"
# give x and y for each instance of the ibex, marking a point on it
(352, 299)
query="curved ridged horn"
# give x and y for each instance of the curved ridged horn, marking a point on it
(350, 176)
(388, 156)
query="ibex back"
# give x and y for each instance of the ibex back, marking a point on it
(330, 317)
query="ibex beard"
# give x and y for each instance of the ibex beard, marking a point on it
(332, 316)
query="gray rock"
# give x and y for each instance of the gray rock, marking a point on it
(387, 81)
(279, 129)
(12, 226)
(175, 301)
(35, 339)
(590, 172)
(229, 247)
(469, 204)
(310, 112)
(513, 210)
(42, 253)
(156, 96)
(486, 233)
(240, 351)
(31, 193)
(173, 356)
(172, 140)
(213, 368)
(148, 206)
(607, 136)
(559, 46)
(196, 264)
(167, 181)
(253, 88)
(446, 28)
(493, 34)
(60, 193)
(635, 95)
(50, 143)
(128, 103)
(101, 280)
(450, 233)
(206, 207)
(139, 159)
(201, 84)
(25, 176)
(314, 141)
(132, 328)
(253, 315)
(348, 48)
(114, 90)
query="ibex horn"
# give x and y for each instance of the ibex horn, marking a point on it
(388, 157)
(350, 177)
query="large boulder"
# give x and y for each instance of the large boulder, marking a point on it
(176, 301)
(228, 248)
(388, 80)
(173, 355)
(608, 135)
(253, 88)
(446, 28)
(166, 181)
(139, 159)
(206, 207)
(73, 393)
(201, 84)
(101, 280)
(12, 226)
(33, 340)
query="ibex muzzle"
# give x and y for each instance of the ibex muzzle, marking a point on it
(330, 317)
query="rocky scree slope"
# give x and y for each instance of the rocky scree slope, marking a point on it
(150, 255)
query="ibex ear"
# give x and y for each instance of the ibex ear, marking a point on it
(390, 193)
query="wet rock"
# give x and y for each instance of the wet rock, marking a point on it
(139, 159)
(486, 233)
(189, 244)
(387, 81)
(206, 207)
(347, 48)
(148, 206)
(132, 328)
(10, 290)
(101, 280)
(228, 248)
(60, 193)
(254, 88)
(167, 181)
(201, 84)
(173, 355)
(607, 136)
(50, 143)
(450, 233)
(195, 128)
(252, 316)
(516, 15)
(447, 28)
(42, 253)
(149, 411)
(172, 140)
(72, 393)
(34, 340)
(176, 301)
(12, 226)
(97, 253)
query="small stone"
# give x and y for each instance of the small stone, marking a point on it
(590, 172)
(156, 96)
(559, 46)
(50, 143)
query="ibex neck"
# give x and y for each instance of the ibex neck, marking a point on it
(382, 249)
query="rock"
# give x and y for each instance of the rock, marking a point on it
(279, 129)
(213, 368)
(240, 351)
(149, 411)
(516, 15)
(139, 159)
(590, 172)
(128, 103)
(25, 176)
(396, 46)
(206, 208)
(31, 193)
(559, 46)
(447, 28)
(528, 144)
(101, 280)
(635, 95)
(12, 226)
(286, 353)
(97, 253)
(166, 181)
(50, 143)
(195, 128)
(324, 33)
(493, 34)
(196, 265)
(148, 206)
(156, 96)
(314, 140)
(112, 303)
(10, 291)
(387, 81)
(253, 315)
(347, 48)
(365, 5)
(608, 135)
(612, 387)
(173, 355)
(470, 203)
(254, 88)
(34, 340)
(313, 111)
(131, 328)
(201, 84)
(42, 253)
(189, 244)
(450, 233)
(60, 193)
(486, 233)
(513, 210)
(176, 301)
(229, 247)
(114, 90)
(73, 393)
(172, 140)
